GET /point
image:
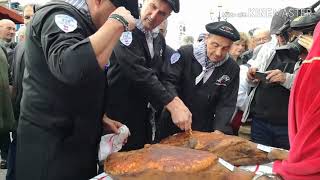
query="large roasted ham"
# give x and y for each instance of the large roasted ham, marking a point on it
(161, 162)
(236, 150)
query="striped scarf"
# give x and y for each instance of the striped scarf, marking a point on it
(82, 6)
(200, 54)
(150, 35)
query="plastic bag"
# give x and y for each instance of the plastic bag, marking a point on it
(112, 142)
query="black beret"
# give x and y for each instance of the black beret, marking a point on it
(175, 5)
(131, 5)
(224, 29)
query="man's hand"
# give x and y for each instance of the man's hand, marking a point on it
(111, 125)
(180, 114)
(251, 74)
(239, 174)
(306, 41)
(278, 154)
(276, 76)
(106, 38)
(127, 16)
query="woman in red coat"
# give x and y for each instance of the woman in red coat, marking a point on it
(304, 120)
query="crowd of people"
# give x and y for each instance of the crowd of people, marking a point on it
(84, 68)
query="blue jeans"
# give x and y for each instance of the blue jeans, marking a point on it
(263, 132)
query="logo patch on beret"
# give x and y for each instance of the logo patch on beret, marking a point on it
(175, 57)
(66, 23)
(126, 38)
(226, 29)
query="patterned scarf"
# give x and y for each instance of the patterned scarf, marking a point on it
(150, 35)
(200, 53)
(82, 6)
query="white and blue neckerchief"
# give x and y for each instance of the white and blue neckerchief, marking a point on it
(82, 6)
(200, 54)
(150, 35)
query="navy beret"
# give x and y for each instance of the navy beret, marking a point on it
(175, 5)
(224, 29)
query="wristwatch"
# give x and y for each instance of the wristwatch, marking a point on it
(122, 20)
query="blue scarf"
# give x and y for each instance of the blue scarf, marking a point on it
(82, 6)
(200, 54)
(150, 35)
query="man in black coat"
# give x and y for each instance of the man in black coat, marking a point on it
(7, 33)
(134, 87)
(17, 70)
(206, 79)
(68, 45)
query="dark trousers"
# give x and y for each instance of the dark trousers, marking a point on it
(11, 172)
(265, 133)
(4, 145)
(45, 155)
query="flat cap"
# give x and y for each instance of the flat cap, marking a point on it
(224, 29)
(282, 16)
(175, 5)
(305, 23)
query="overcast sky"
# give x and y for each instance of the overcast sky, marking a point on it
(23, 2)
(195, 14)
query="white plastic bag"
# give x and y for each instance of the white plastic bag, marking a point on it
(112, 142)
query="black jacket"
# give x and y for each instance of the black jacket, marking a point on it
(132, 83)
(9, 48)
(63, 94)
(212, 104)
(168, 53)
(273, 109)
(17, 75)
